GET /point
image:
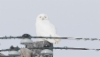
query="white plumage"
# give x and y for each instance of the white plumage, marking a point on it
(45, 28)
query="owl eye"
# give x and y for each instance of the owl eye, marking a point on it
(44, 16)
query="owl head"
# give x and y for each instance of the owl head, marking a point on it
(42, 17)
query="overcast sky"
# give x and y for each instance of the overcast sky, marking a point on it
(72, 18)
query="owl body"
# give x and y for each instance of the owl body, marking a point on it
(45, 28)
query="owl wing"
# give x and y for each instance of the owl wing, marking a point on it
(46, 29)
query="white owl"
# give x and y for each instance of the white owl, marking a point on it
(45, 28)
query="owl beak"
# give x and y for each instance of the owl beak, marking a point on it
(42, 18)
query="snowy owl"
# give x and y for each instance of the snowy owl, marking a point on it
(46, 29)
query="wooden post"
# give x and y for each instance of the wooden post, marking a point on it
(25, 52)
(28, 53)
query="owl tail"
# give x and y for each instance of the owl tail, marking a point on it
(57, 40)
(54, 41)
